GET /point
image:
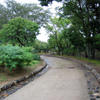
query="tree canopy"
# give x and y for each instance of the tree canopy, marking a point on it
(31, 12)
(40, 46)
(75, 32)
(19, 31)
(83, 32)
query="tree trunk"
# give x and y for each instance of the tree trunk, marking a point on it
(93, 54)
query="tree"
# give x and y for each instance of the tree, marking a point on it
(46, 2)
(97, 43)
(40, 46)
(57, 39)
(65, 38)
(53, 43)
(85, 16)
(3, 18)
(31, 12)
(19, 31)
(53, 28)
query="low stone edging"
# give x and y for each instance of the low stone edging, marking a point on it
(15, 82)
(95, 73)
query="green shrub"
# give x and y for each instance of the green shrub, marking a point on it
(36, 57)
(34, 50)
(14, 57)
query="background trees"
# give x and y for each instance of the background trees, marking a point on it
(55, 29)
(3, 18)
(82, 14)
(40, 46)
(64, 37)
(28, 11)
(84, 32)
(75, 32)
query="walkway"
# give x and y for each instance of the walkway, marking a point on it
(63, 81)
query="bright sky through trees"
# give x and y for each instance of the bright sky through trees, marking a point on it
(43, 36)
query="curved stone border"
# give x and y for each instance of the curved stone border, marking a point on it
(15, 82)
(95, 73)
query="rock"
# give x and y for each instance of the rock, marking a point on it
(98, 96)
(20, 80)
(96, 91)
(92, 98)
(97, 87)
(26, 77)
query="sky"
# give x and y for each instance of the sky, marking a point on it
(43, 36)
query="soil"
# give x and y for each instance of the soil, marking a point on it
(7, 77)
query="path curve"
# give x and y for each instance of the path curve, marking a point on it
(63, 81)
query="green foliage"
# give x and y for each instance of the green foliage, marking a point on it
(46, 2)
(31, 12)
(83, 31)
(40, 46)
(96, 62)
(84, 17)
(36, 57)
(19, 31)
(14, 57)
(97, 43)
(59, 39)
(3, 19)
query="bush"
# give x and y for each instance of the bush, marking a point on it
(14, 57)
(36, 57)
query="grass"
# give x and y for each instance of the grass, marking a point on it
(96, 62)
(35, 62)
(92, 61)
(2, 78)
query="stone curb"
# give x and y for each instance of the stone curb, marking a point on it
(15, 82)
(94, 72)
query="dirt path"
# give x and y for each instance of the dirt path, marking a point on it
(63, 81)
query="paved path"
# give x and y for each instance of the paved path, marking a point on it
(63, 81)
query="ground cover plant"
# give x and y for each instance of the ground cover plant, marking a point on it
(16, 62)
(14, 57)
